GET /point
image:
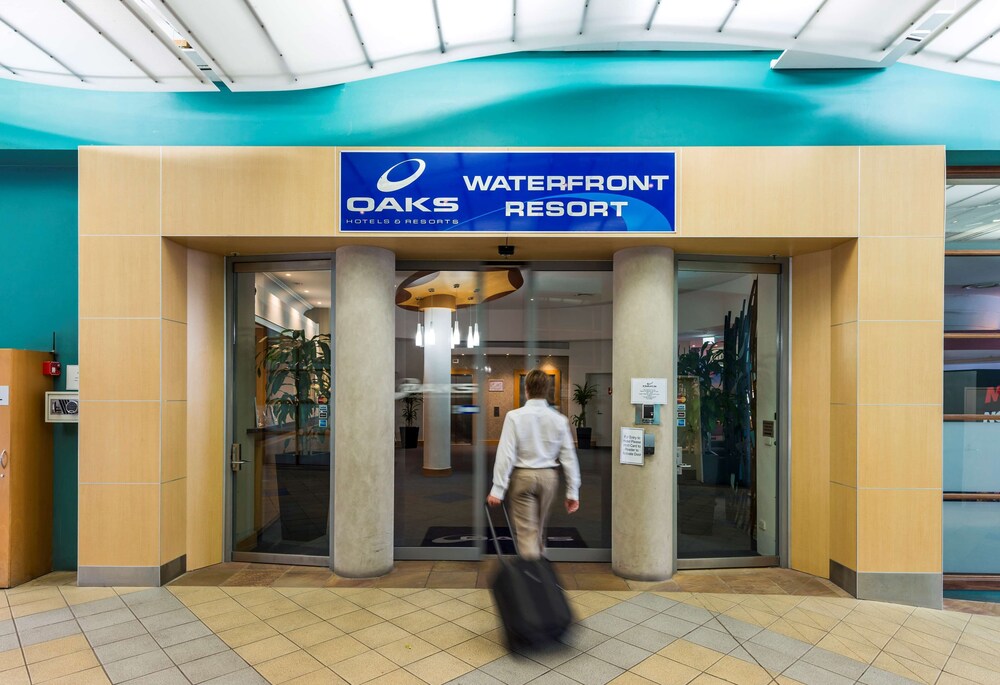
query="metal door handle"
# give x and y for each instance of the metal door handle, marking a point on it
(235, 463)
(3, 459)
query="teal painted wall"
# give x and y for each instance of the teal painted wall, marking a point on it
(38, 242)
(545, 99)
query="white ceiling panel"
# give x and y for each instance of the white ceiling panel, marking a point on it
(317, 47)
(769, 17)
(473, 22)
(630, 15)
(544, 19)
(971, 27)
(396, 28)
(863, 26)
(706, 15)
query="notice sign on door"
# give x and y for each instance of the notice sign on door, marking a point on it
(631, 446)
(649, 391)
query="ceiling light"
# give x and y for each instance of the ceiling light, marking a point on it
(981, 286)
(288, 275)
(305, 291)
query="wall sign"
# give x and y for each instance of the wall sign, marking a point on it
(595, 191)
(631, 446)
(649, 391)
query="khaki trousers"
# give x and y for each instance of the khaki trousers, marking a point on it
(531, 494)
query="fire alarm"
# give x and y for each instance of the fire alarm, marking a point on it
(51, 368)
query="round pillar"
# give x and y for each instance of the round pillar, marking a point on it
(364, 359)
(437, 402)
(642, 497)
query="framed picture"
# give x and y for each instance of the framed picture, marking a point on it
(522, 395)
(496, 386)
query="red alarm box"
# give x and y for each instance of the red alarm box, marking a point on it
(51, 368)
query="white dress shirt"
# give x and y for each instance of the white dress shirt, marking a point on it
(536, 436)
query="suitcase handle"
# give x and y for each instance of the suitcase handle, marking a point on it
(493, 532)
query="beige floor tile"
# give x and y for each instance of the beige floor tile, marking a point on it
(977, 674)
(78, 595)
(299, 618)
(863, 635)
(951, 679)
(951, 619)
(367, 597)
(813, 619)
(29, 608)
(478, 651)
(248, 634)
(230, 619)
(313, 634)
(906, 650)
(755, 617)
(15, 676)
(935, 628)
(364, 667)
(439, 668)
(739, 672)
(690, 654)
(706, 679)
(92, 676)
(452, 609)
(480, 622)
(979, 644)
(5, 614)
(582, 611)
(56, 648)
(288, 667)
(665, 671)
(629, 678)
(267, 649)
(356, 620)
(31, 594)
(499, 636)
(597, 600)
(427, 598)
(311, 596)
(859, 651)
(447, 635)
(379, 634)
(976, 658)
(194, 596)
(398, 677)
(418, 621)
(797, 631)
(216, 607)
(785, 680)
(60, 666)
(479, 599)
(336, 650)
(12, 658)
(322, 677)
(333, 607)
(407, 650)
(274, 608)
(833, 608)
(906, 668)
(394, 608)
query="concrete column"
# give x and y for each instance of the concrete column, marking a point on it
(642, 497)
(437, 404)
(363, 396)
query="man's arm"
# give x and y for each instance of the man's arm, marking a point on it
(506, 456)
(570, 465)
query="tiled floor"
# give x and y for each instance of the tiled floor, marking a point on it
(290, 628)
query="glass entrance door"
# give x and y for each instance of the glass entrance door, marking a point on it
(281, 453)
(728, 365)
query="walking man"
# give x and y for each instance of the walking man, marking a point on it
(535, 441)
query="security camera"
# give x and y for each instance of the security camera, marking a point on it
(505, 250)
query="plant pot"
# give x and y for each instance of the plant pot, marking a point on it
(408, 436)
(583, 437)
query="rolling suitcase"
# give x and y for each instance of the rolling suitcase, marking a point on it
(533, 608)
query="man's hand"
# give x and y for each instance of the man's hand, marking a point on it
(493, 501)
(572, 505)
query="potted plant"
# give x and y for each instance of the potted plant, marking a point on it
(408, 433)
(582, 395)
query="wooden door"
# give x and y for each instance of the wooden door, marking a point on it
(6, 380)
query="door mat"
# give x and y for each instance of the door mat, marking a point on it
(446, 537)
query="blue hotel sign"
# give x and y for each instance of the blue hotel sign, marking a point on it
(596, 191)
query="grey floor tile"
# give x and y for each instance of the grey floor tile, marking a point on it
(606, 623)
(632, 612)
(185, 632)
(741, 630)
(582, 638)
(781, 643)
(7, 626)
(247, 676)
(47, 633)
(136, 666)
(552, 655)
(98, 606)
(476, 677)
(168, 619)
(159, 606)
(103, 620)
(671, 625)
(713, 639)
(196, 649)
(121, 631)
(209, 667)
(621, 654)
(123, 649)
(814, 675)
(169, 676)
(876, 676)
(553, 678)
(143, 596)
(651, 601)
(646, 638)
(590, 670)
(44, 618)
(770, 659)
(513, 669)
(689, 613)
(9, 642)
(838, 663)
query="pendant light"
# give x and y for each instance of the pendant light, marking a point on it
(456, 335)
(475, 335)
(420, 335)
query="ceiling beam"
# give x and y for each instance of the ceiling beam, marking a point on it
(729, 15)
(978, 45)
(437, 22)
(944, 26)
(513, 22)
(810, 19)
(902, 34)
(42, 50)
(6, 68)
(111, 41)
(193, 39)
(652, 15)
(583, 19)
(357, 33)
(270, 41)
(170, 46)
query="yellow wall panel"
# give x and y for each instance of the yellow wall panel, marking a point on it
(844, 444)
(843, 525)
(119, 191)
(843, 363)
(844, 282)
(174, 360)
(173, 458)
(174, 281)
(268, 191)
(119, 442)
(119, 359)
(119, 276)
(119, 525)
(899, 446)
(899, 362)
(810, 487)
(173, 515)
(769, 191)
(902, 191)
(902, 279)
(899, 531)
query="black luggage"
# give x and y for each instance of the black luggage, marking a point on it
(533, 608)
